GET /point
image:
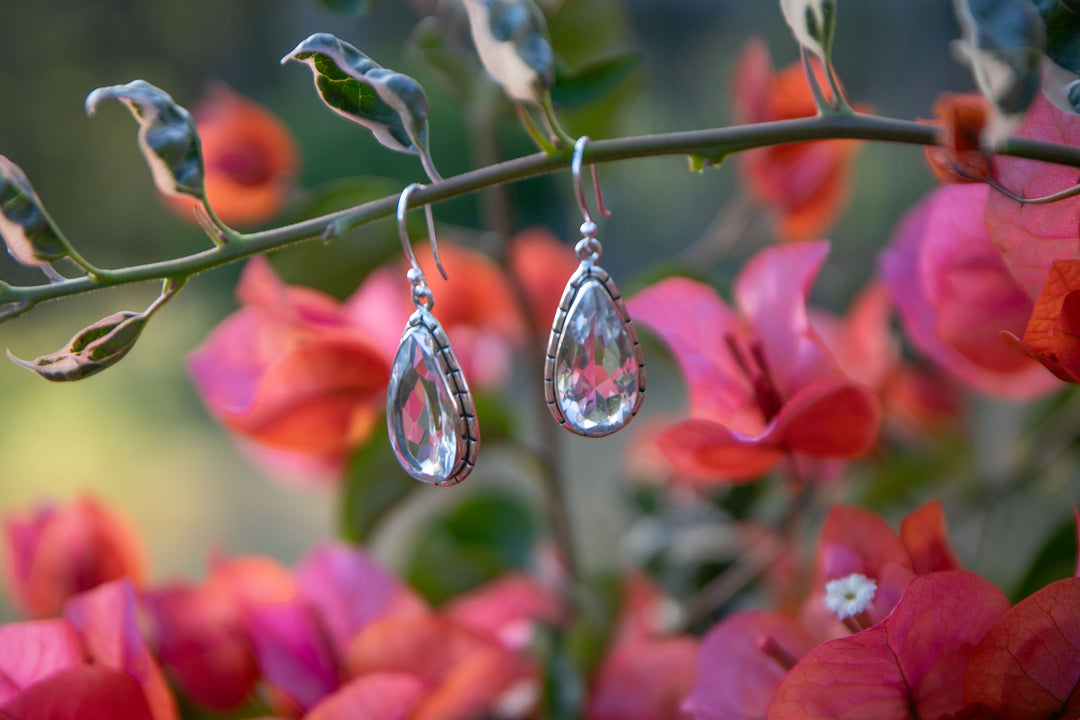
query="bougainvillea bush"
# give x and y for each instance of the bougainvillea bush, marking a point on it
(851, 489)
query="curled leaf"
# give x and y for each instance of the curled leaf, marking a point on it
(392, 106)
(1003, 42)
(813, 22)
(29, 234)
(511, 38)
(91, 350)
(167, 135)
(1062, 21)
(100, 345)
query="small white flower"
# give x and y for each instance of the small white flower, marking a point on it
(849, 596)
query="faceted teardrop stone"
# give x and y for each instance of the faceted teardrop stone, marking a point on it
(421, 414)
(596, 375)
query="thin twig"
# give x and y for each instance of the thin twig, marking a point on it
(720, 140)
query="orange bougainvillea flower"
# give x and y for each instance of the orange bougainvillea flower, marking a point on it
(960, 159)
(1052, 336)
(806, 184)
(250, 157)
(59, 551)
(287, 373)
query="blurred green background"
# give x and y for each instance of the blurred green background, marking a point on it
(139, 437)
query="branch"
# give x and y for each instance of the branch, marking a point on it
(714, 142)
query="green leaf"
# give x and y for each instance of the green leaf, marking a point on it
(29, 234)
(1056, 560)
(91, 350)
(356, 8)
(486, 535)
(392, 106)
(511, 38)
(1062, 21)
(167, 136)
(1003, 42)
(374, 487)
(594, 81)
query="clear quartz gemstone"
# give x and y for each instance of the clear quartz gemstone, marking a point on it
(420, 411)
(596, 372)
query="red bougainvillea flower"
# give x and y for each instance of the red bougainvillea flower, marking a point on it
(61, 550)
(287, 372)
(806, 184)
(250, 158)
(960, 158)
(748, 654)
(955, 294)
(762, 383)
(647, 671)
(90, 664)
(1032, 237)
(1028, 665)
(911, 665)
(475, 306)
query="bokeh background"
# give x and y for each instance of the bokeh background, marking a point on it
(138, 435)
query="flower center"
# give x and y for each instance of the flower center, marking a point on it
(751, 360)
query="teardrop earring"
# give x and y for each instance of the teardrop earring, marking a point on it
(429, 410)
(594, 373)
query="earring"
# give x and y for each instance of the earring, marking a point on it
(594, 373)
(430, 413)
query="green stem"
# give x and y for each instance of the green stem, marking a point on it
(553, 120)
(714, 141)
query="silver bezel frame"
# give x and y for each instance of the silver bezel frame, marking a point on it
(466, 427)
(588, 271)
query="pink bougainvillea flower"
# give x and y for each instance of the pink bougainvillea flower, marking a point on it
(250, 158)
(806, 184)
(1032, 237)
(300, 640)
(106, 622)
(507, 608)
(762, 382)
(647, 670)
(199, 631)
(959, 158)
(918, 399)
(475, 306)
(743, 661)
(854, 540)
(379, 696)
(90, 664)
(289, 373)
(956, 296)
(911, 665)
(1052, 336)
(61, 550)
(1028, 665)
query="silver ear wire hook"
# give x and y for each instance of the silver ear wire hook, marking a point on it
(416, 274)
(579, 189)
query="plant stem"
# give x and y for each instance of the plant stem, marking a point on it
(714, 141)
